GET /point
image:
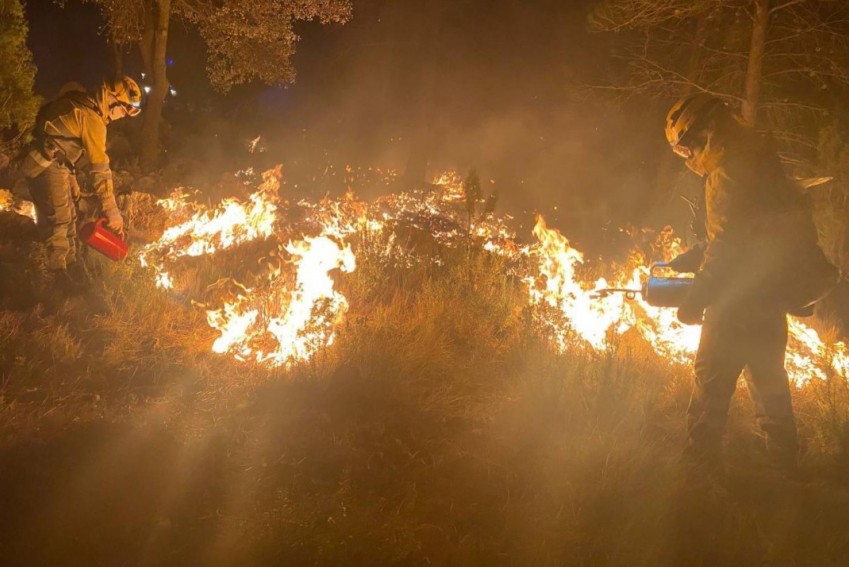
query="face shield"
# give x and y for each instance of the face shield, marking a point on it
(133, 108)
(695, 163)
(119, 109)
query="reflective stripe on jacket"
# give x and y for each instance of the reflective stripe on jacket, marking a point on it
(75, 125)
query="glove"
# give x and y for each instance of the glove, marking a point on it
(114, 221)
(690, 313)
(690, 261)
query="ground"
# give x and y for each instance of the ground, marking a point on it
(439, 429)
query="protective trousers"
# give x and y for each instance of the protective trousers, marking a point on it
(730, 343)
(56, 212)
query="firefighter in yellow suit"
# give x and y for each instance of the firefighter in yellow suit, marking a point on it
(760, 262)
(70, 134)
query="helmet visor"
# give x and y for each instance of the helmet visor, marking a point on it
(133, 108)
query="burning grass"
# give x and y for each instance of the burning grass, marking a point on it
(439, 426)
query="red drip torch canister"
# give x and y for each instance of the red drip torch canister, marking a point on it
(96, 235)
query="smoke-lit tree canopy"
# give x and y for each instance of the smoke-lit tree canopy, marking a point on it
(781, 62)
(245, 40)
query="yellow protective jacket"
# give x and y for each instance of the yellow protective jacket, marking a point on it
(72, 128)
(761, 248)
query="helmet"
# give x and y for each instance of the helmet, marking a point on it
(125, 91)
(687, 114)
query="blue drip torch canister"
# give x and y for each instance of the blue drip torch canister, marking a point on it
(664, 291)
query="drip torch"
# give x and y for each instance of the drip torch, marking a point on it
(96, 235)
(659, 291)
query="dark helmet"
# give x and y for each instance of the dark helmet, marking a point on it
(686, 115)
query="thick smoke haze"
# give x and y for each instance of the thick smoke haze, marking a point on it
(420, 87)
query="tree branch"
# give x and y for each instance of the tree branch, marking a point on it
(785, 5)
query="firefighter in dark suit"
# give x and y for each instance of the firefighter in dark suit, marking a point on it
(760, 261)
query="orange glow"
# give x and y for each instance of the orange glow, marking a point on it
(594, 320)
(8, 202)
(293, 309)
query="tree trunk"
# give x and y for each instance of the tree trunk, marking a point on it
(701, 30)
(153, 47)
(117, 60)
(754, 69)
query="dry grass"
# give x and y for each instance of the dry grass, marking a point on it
(439, 429)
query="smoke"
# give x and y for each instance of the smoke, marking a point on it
(417, 88)
(503, 89)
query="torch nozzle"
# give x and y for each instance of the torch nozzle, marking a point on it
(602, 293)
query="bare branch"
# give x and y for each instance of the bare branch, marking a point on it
(787, 4)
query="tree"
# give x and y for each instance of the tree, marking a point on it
(781, 61)
(18, 104)
(246, 40)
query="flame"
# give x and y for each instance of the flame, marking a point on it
(229, 224)
(587, 317)
(292, 309)
(301, 319)
(208, 231)
(316, 257)
(595, 320)
(8, 202)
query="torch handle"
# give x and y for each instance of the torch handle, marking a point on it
(102, 222)
(658, 266)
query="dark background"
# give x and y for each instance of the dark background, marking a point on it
(499, 85)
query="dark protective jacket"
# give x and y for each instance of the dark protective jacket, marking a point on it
(761, 246)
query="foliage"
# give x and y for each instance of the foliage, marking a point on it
(782, 59)
(18, 104)
(246, 39)
(255, 39)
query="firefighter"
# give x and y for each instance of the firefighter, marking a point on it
(70, 135)
(760, 261)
